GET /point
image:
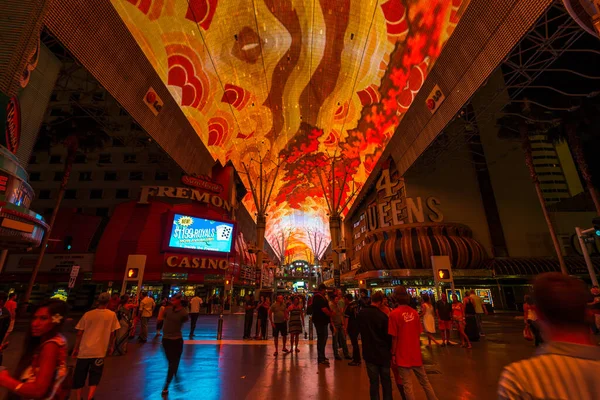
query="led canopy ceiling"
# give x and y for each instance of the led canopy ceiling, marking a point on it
(295, 82)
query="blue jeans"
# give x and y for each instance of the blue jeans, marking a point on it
(376, 374)
(321, 340)
(339, 340)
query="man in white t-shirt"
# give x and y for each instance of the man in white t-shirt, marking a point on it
(146, 308)
(195, 304)
(95, 337)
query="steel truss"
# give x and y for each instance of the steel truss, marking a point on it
(550, 38)
(79, 90)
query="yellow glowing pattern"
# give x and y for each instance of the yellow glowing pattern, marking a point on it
(293, 80)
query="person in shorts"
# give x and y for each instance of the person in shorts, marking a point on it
(278, 315)
(444, 314)
(95, 338)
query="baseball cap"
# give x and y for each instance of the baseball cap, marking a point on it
(103, 298)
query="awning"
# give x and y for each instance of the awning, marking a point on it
(519, 266)
(344, 278)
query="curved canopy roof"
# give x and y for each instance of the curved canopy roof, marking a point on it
(295, 82)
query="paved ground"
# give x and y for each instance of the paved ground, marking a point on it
(236, 369)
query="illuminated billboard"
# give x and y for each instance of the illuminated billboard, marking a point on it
(193, 233)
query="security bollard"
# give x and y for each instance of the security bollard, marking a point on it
(310, 328)
(220, 327)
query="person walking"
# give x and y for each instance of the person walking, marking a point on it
(5, 320)
(124, 316)
(321, 318)
(278, 315)
(530, 318)
(195, 304)
(405, 329)
(566, 366)
(95, 339)
(159, 324)
(337, 328)
(397, 378)
(11, 306)
(259, 307)
(471, 329)
(377, 345)
(480, 310)
(174, 316)
(146, 309)
(444, 314)
(249, 307)
(42, 368)
(263, 317)
(113, 304)
(351, 327)
(296, 322)
(458, 316)
(593, 306)
(428, 319)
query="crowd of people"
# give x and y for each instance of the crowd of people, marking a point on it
(558, 313)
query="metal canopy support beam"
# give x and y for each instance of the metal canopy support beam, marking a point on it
(550, 38)
(106, 48)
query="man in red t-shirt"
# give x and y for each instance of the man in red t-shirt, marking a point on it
(405, 328)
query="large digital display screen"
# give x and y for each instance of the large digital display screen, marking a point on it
(189, 232)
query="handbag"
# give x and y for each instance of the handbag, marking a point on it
(527, 333)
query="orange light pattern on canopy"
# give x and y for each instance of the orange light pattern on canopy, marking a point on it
(294, 80)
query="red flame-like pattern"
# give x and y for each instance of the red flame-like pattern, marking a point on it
(201, 12)
(236, 96)
(369, 96)
(415, 80)
(218, 129)
(394, 12)
(183, 74)
(152, 8)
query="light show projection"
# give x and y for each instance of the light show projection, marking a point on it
(201, 234)
(295, 82)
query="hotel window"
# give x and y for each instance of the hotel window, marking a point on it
(95, 194)
(122, 194)
(85, 176)
(110, 176)
(136, 176)
(80, 158)
(161, 176)
(102, 212)
(35, 177)
(153, 158)
(55, 159)
(70, 194)
(44, 195)
(58, 176)
(130, 158)
(105, 158)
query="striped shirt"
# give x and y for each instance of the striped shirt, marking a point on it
(558, 371)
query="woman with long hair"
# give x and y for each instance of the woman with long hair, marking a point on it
(428, 319)
(296, 322)
(159, 324)
(530, 317)
(458, 316)
(42, 368)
